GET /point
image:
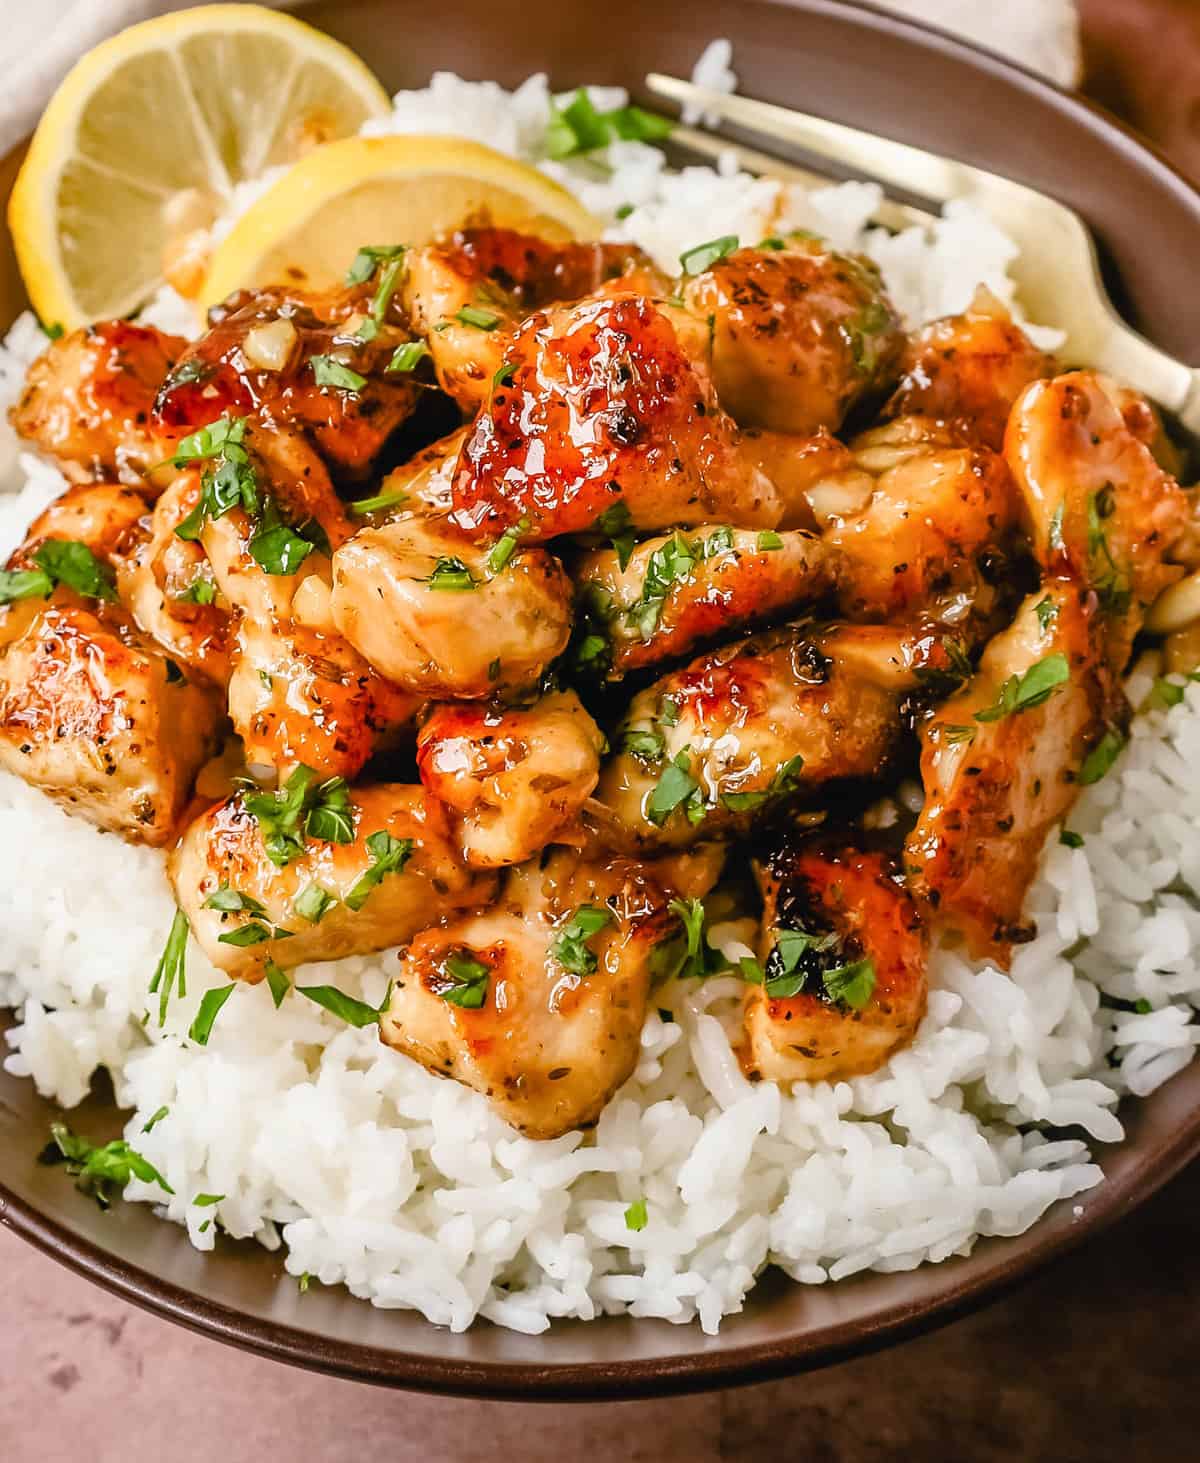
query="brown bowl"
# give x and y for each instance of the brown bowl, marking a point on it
(856, 66)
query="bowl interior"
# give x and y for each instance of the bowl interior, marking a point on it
(853, 65)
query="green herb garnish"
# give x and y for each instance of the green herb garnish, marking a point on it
(210, 1006)
(378, 503)
(313, 903)
(286, 816)
(450, 574)
(784, 781)
(616, 524)
(170, 972)
(329, 371)
(1024, 692)
(579, 127)
(1071, 840)
(478, 318)
(368, 260)
(277, 983)
(1101, 758)
(635, 1216)
(570, 948)
(407, 357)
(468, 981)
(703, 256)
(506, 547)
(851, 984)
(354, 1012)
(388, 856)
(155, 1118)
(100, 1171)
(676, 788)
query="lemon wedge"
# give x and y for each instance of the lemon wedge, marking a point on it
(145, 141)
(384, 190)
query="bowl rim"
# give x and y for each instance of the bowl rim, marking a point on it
(1009, 1261)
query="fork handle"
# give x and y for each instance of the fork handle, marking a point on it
(1131, 358)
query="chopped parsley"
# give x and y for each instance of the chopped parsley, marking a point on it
(1024, 692)
(784, 977)
(52, 330)
(298, 809)
(676, 788)
(479, 318)
(407, 357)
(1111, 585)
(206, 1201)
(1071, 840)
(351, 1010)
(1163, 695)
(378, 503)
(506, 547)
(210, 1006)
(388, 856)
(170, 972)
(784, 781)
(578, 127)
(703, 256)
(450, 574)
(697, 958)
(313, 903)
(201, 591)
(329, 371)
(1047, 613)
(623, 212)
(228, 482)
(245, 935)
(100, 1172)
(570, 949)
(852, 985)
(1102, 756)
(369, 258)
(277, 983)
(616, 524)
(233, 901)
(668, 712)
(466, 981)
(389, 278)
(155, 1118)
(635, 1216)
(59, 561)
(645, 743)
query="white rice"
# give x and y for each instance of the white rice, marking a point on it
(410, 1192)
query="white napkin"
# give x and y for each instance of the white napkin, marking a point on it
(39, 40)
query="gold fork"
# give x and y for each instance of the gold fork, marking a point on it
(1057, 272)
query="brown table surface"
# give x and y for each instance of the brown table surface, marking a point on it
(1091, 1361)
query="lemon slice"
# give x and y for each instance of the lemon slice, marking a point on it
(146, 139)
(384, 190)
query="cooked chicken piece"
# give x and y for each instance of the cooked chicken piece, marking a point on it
(1096, 504)
(313, 363)
(93, 714)
(843, 960)
(169, 586)
(88, 397)
(538, 1003)
(799, 334)
(104, 516)
(291, 484)
(707, 749)
(421, 485)
(604, 418)
(905, 659)
(300, 696)
(443, 617)
(967, 371)
(398, 873)
(675, 593)
(1001, 763)
(467, 292)
(516, 779)
(917, 524)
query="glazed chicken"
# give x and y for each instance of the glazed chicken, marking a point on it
(707, 750)
(321, 364)
(248, 865)
(465, 294)
(667, 596)
(1001, 762)
(692, 569)
(800, 334)
(539, 1001)
(516, 779)
(444, 617)
(88, 400)
(966, 371)
(842, 960)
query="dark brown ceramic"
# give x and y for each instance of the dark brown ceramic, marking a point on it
(855, 66)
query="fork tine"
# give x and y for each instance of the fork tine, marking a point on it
(892, 215)
(895, 164)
